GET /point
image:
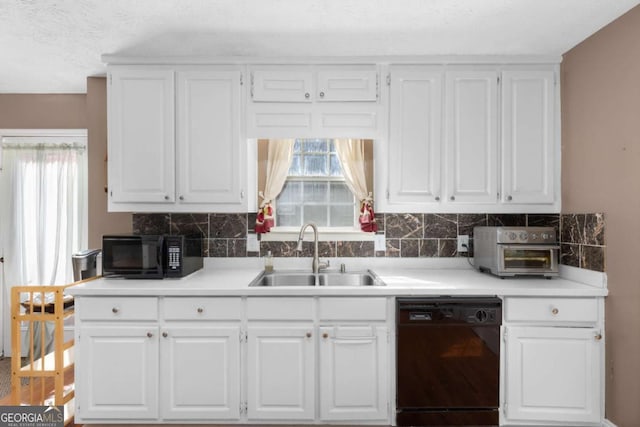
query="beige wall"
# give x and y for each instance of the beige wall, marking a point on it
(100, 221)
(43, 111)
(73, 111)
(601, 173)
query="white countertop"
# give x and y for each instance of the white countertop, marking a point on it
(403, 277)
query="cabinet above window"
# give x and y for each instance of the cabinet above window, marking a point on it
(314, 101)
(314, 84)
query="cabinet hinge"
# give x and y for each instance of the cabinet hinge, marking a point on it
(251, 84)
(377, 86)
(387, 194)
(110, 78)
(498, 79)
(241, 82)
(504, 336)
(388, 79)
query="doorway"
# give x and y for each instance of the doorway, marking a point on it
(43, 214)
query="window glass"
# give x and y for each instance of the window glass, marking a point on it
(315, 189)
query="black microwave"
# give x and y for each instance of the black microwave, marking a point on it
(150, 256)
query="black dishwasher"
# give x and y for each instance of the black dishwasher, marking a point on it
(448, 361)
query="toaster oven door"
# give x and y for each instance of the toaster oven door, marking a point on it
(528, 259)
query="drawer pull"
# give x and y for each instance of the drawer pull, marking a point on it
(114, 310)
(200, 309)
(308, 334)
(554, 311)
(164, 334)
(598, 337)
(149, 334)
(325, 335)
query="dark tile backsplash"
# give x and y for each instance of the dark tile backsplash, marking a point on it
(407, 235)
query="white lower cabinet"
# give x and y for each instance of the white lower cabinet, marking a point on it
(117, 372)
(200, 372)
(280, 372)
(354, 373)
(553, 366)
(135, 364)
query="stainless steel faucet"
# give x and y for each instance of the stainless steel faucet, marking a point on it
(316, 265)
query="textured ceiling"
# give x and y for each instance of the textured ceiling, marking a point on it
(51, 46)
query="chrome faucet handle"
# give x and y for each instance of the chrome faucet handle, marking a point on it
(323, 265)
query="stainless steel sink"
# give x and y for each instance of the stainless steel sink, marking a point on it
(356, 278)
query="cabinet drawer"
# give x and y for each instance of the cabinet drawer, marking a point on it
(188, 308)
(352, 308)
(280, 308)
(117, 308)
(551, 310)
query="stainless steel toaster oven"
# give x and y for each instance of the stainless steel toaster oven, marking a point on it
(514, 251)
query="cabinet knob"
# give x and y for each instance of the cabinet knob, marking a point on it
(555, 311)
(307, 95)
(452, 198)
(598, 337)
(115, 310)
(437, 198)
(181, 197)
(321, 94)
(308, 334)
(509, 198)
(200, 310)
(164, 334)
(325, 335)
(149, 334)
(166, 197)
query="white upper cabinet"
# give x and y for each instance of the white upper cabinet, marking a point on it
(141, 136)
(472, 136)
(210, 155)
(314, 101)
(175, 139)
(469, 138)
(347, 85)
(281, 86)
(415, 141)
(528, 142)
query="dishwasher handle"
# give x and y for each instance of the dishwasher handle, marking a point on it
(420, 316)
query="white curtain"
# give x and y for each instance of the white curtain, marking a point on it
(280, 153)
(351, 155)
(44, 186)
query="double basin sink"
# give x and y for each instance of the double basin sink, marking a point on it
(289, 278)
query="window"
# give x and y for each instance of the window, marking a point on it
(315, 189)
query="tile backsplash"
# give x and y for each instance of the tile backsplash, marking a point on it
(406, 235)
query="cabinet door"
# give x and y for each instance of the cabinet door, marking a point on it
(472, 136)
(141, 147)
(415, 136)
(528, 143)
(553, 374)
(280, 375)
(347, 85)
(353, 373)
(117, 373)
(200, 372)
(281, 86)
(210, 157)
